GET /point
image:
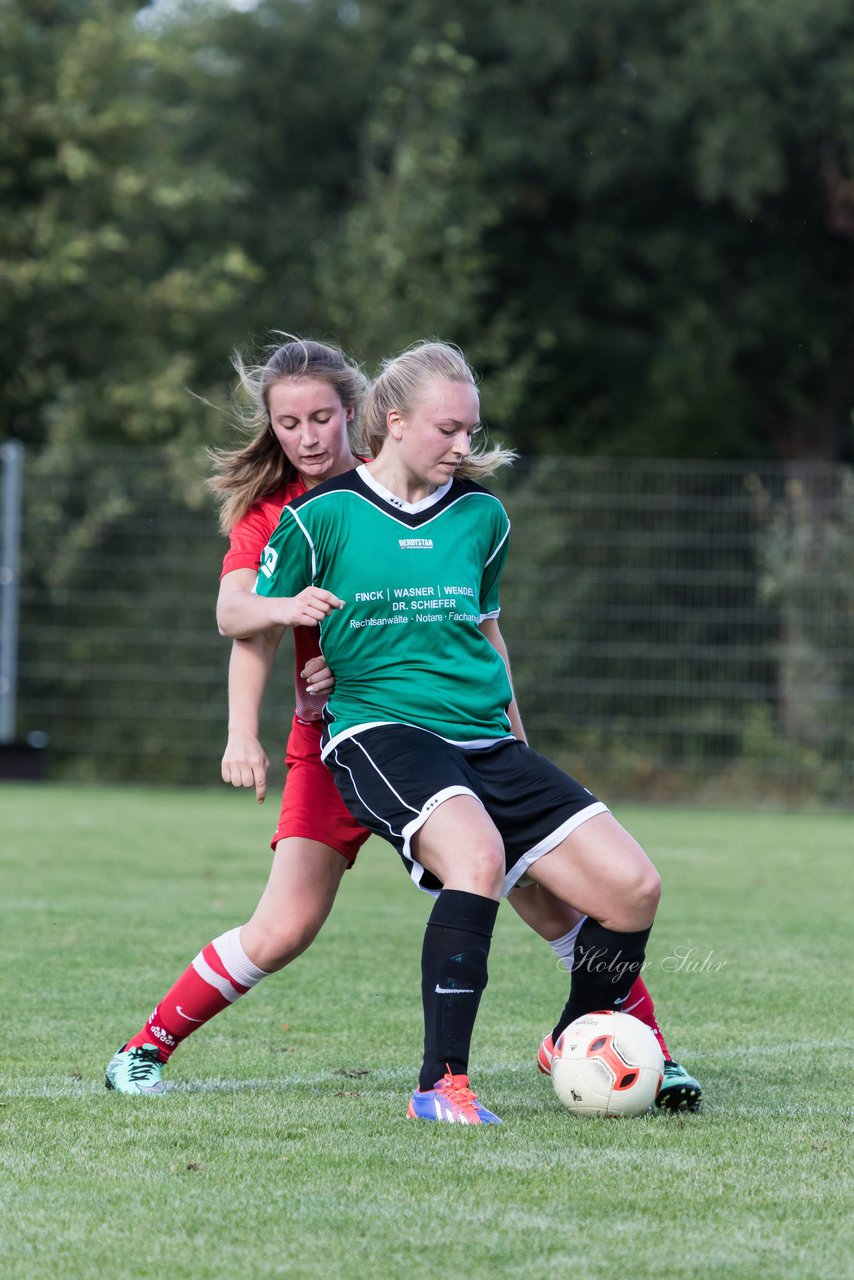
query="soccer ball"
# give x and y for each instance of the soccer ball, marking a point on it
(607, 1064)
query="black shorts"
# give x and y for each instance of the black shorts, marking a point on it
(393, 776)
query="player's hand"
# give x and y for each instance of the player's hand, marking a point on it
(317, 676)
(307, 609)
(245, 764)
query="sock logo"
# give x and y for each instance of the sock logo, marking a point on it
(454, 991)
(161, 1035)
(189, 1018)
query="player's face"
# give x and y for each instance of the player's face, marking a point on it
(310, 423)
(435, 436)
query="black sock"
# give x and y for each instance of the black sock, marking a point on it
(453, 978)
(604, 969)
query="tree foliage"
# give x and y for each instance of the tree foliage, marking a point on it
(115, 263)
(636, 218)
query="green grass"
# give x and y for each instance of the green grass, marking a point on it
(282, 1148)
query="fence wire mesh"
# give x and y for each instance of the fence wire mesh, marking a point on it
(675, 628)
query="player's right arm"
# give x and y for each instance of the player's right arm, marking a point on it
(241, 615)
(245, 762)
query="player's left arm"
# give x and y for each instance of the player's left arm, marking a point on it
(490, 608)
(489, 627)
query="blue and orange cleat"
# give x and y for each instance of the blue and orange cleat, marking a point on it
(452, 1100)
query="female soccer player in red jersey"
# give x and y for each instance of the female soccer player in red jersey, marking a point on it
(306, 399)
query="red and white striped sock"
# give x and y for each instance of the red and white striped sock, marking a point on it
(220, 974)
(639, 1004)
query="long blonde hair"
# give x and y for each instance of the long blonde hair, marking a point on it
(242, 476)
(398, 386)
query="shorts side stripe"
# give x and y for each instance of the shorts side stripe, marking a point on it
(413, 827)
(378, 771)
(368, 807)
(551, 841)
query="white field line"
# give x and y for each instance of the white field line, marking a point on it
(397, 1079)
(400, 1078)
(774, 1050)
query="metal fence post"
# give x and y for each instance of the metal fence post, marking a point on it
(12, 457)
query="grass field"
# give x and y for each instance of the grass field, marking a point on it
(281, 1148)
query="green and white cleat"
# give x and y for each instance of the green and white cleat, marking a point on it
(135, 1070)
(679, 1091)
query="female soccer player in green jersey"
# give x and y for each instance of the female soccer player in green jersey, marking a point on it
(422, 733)
(304, 399)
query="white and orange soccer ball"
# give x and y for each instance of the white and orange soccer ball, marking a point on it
(607, 1064)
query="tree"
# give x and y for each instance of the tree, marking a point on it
(671, 240)
(636, 218)
(406, 261)
(118, 282)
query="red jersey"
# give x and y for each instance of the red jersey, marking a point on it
(247, 540)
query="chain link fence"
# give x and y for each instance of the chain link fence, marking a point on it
(676, 629)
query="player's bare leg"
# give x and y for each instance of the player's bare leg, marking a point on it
(602, 871)
(300, 891)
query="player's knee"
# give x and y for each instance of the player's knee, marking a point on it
(274, 945)
(649, 891)
(641, 895)
(479, 868)
(486, 863)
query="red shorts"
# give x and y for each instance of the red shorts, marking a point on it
(312, 807)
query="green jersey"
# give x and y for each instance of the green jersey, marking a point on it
(416, 580)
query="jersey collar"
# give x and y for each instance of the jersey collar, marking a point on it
(411, 508)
